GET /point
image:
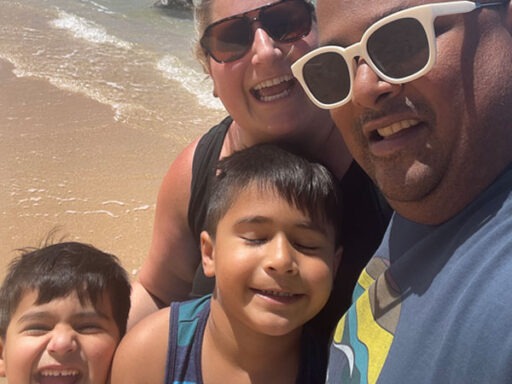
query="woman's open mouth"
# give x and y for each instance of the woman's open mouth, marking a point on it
(274, 89)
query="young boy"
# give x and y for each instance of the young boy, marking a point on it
(63, 310)
(271, 243)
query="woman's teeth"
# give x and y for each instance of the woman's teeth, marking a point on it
(273, 89)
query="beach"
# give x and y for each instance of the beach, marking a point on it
(98, 97)
(68, 166)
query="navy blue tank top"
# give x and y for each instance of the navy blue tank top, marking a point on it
(186, 331)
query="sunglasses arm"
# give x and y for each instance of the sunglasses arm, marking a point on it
(455, 7)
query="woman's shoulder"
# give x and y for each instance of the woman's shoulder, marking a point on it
(201, 147)
(209, 145)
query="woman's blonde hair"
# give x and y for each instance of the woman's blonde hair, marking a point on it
(202, 18)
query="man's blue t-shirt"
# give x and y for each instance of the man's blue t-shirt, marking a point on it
(434, 305)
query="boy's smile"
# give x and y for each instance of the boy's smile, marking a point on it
(273, 266)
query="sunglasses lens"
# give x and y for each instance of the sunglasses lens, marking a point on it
(400, 48)
(328, 78)
(287, 21)
(228, 40)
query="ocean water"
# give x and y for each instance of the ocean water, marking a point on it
(129, 54)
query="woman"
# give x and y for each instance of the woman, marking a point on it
(247, 48)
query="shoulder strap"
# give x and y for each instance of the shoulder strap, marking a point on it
(186, 328)
(313, 358)
(206, 155)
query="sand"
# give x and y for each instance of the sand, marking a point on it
(66, 164)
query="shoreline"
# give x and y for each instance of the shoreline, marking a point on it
(68, 165)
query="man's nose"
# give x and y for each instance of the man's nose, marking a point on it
(369, 90)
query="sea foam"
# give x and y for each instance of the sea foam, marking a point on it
(193, 81)
(82, 28)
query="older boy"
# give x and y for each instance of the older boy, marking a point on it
(270, 242)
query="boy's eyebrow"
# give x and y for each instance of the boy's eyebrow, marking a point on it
(45, 315)
(91, 314)
(253, 219)
(313, 227)
(34, 315)
(306, 224)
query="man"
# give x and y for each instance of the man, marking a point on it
(422, 93)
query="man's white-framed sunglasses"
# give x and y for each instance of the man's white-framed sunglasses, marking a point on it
(399, 48)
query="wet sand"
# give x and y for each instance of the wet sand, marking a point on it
(67, 164)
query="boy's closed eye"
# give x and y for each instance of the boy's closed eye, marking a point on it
(89, 328)
(39, 324)
(255, 240)
(304, 239)
(36, 329)
(306, 248)
(252, 239)
(91, 322)
(35, 323)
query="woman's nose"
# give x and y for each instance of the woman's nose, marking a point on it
(264, 48)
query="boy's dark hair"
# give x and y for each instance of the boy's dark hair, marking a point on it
(305, 184)
(55, 271)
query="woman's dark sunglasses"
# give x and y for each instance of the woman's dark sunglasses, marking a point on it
(231, 38)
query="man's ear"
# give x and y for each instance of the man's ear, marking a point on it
(208, 254)
(509, 16)
(337, 260)
(2, 360)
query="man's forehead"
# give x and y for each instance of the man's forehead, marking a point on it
(342, 22)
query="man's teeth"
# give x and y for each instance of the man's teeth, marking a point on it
(275, 293)
(273, 82)
(57, 373)
(396, 127)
